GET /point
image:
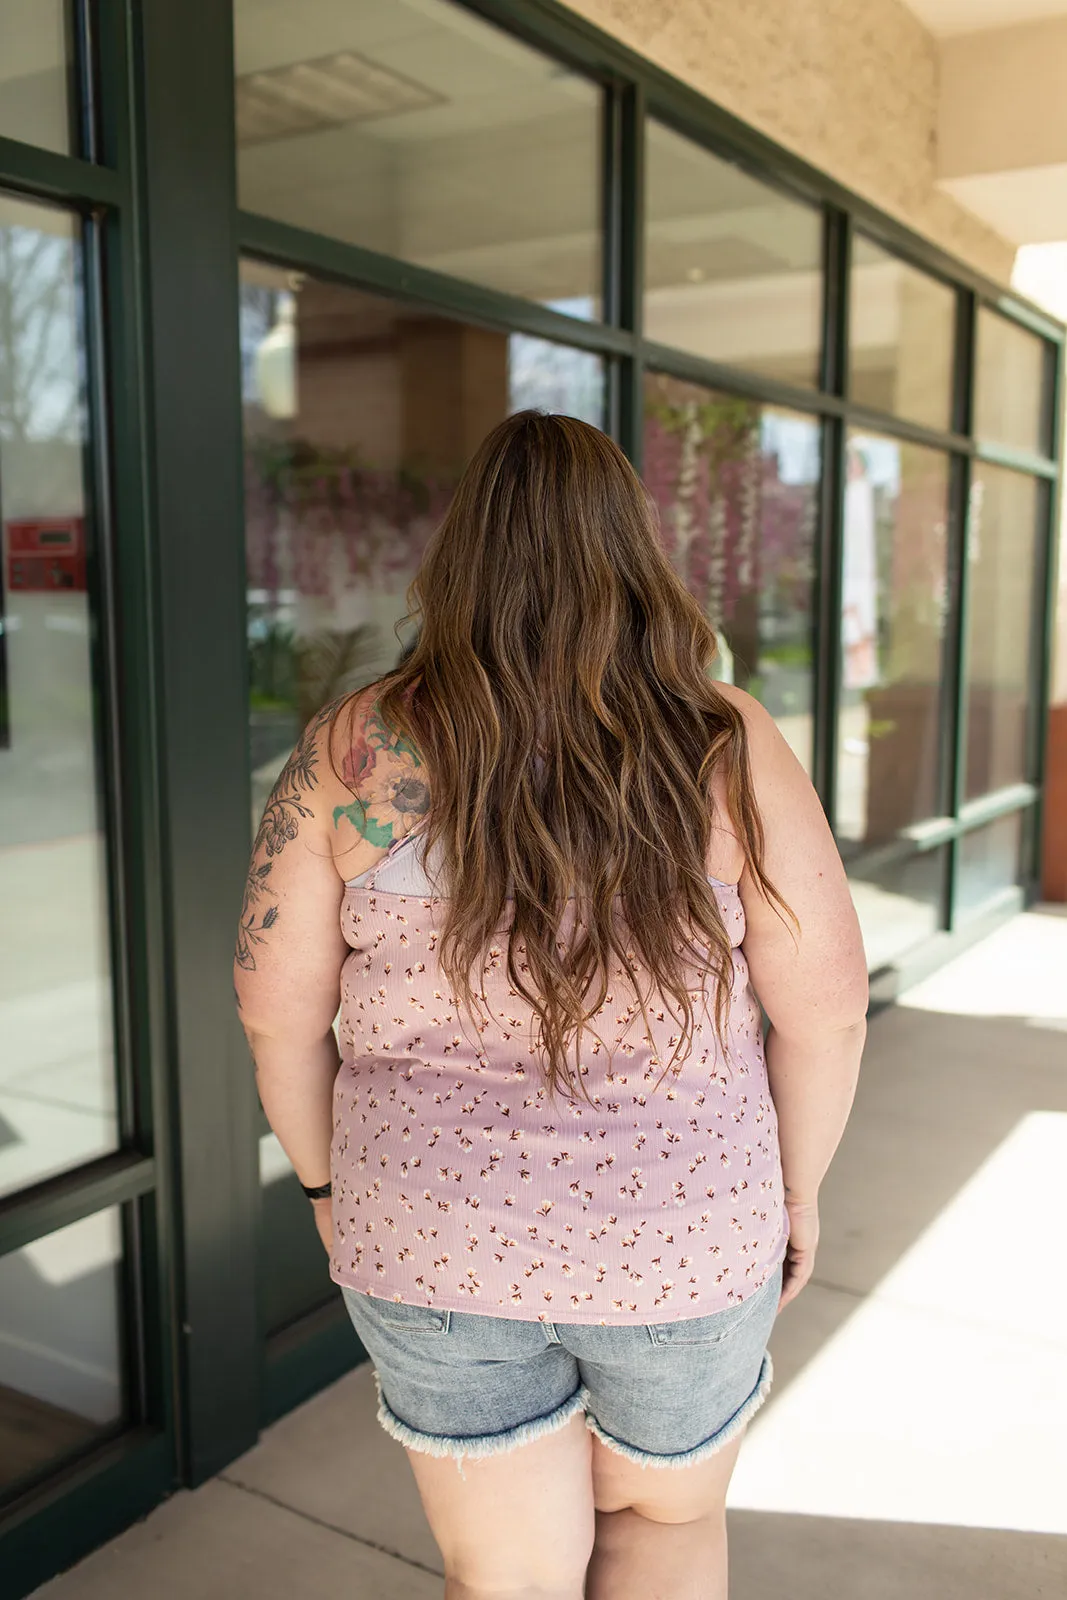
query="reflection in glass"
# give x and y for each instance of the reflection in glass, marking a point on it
(899, 903)
(733, 268)
(553, 377)
(894, 598)
(34, 73)
(736, 486)
(60, 1344)
(293, 1270)
(902, 329)
(360, 414)
(1001, 618)
(57, 1090)
(988, 863)
(1011, 391)
(414, 128)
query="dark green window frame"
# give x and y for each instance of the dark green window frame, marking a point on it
(96, 1492)
(192, 1399)
(635, 91)
(190, 1200)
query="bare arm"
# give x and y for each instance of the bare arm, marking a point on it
(811, 979)
(290, 950)
(287, 969)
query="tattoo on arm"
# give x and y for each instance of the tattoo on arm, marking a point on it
(286, 809)
(385, 766)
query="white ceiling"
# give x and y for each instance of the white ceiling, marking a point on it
(946, 17)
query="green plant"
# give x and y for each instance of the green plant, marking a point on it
(289, 671)
(271, 667)
(330, 663)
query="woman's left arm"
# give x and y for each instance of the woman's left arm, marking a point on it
(290, 950)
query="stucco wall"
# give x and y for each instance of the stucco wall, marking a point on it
(849, 85)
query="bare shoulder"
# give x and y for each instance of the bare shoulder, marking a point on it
(766, 746)
(788, 806)
(378, 784)
(726, 854)
(350, 788)
(779, 781)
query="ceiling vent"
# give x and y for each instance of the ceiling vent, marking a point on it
(307, 96)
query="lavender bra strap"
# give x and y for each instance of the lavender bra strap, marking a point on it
(412, 833)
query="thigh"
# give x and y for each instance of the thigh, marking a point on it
(517, 1520)
(683, 1494)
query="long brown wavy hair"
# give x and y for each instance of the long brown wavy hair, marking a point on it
(551, 623)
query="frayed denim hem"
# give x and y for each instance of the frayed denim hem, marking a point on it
(475, 1448)
(689, 1458)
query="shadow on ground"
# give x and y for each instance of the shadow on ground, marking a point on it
(915, 1443)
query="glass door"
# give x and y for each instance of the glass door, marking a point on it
(66, 1368)
(407, 142)
(359, 414)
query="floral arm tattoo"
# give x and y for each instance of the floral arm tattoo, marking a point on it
(286, 809)
(384, 770)
(381, 765)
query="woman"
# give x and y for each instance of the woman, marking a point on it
(544, 868)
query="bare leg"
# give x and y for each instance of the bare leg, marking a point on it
(515, 1526)
(660, 1531)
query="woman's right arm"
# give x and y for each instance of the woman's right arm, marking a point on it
(810, 976)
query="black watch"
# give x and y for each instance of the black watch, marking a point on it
(323, 1190)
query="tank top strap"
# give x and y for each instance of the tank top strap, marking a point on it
(371, 880)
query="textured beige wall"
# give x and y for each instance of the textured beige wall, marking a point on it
(849, 85)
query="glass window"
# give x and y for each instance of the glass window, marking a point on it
(60, 1345)
(736, 484)
(902, 335)
(413, 128)
(1001, 618)
(733, 268)
(57, 1088)
(34, 73)
(359, 416)
(988, 863)
(294, 1274)
(894, 599)
(1012, 393)
(899, 902)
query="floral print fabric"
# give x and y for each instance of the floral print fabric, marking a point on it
(459, 1183)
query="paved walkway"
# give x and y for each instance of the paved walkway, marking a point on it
(915, 1443)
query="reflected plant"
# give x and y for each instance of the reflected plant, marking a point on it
(290, 672)
(739, 535)
(703, 468)
(879, 727)
(331, 663)
(271, 666)
(39, 363)
(320, 518)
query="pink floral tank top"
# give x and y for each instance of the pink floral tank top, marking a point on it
(459, 1183)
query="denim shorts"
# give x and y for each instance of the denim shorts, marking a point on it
(466, 1384)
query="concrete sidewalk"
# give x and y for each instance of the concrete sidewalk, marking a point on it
(915, 1442)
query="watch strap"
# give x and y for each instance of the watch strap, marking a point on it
(319, 1193)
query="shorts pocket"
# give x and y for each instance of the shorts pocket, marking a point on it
(397, 1315)
(718, 1325)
